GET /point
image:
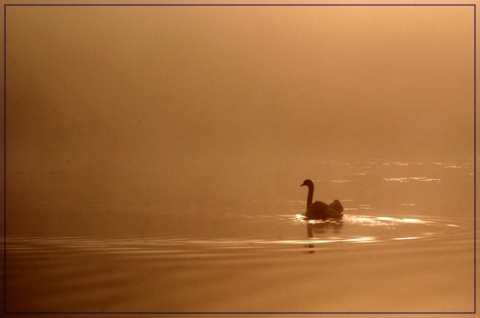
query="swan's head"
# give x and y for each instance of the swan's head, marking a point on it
(307, 183)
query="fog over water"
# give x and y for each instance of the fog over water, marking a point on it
(139, 97)
(116, 113)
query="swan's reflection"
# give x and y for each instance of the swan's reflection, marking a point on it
(320, 228)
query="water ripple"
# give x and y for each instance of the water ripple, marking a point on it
(290, 232)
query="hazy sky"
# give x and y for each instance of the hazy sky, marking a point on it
(147, 91)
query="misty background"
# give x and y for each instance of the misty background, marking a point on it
(207, 105)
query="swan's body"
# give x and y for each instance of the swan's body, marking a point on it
(320, 210)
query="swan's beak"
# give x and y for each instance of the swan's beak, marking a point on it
(302, 184)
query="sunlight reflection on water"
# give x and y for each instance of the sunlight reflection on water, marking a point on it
(408, 179)
(352, 229)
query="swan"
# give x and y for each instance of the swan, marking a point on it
(320, 210)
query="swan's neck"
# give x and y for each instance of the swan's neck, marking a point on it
(310, 196)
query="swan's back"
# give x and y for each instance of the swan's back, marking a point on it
(319, 210)
(337, 206)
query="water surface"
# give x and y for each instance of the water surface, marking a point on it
(405, 244)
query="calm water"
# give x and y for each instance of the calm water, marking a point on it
(405, 244)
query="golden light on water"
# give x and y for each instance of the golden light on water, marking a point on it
(406, 238)
(366, 239)
(417, 221)
(400, 220)
(369, 220)
(408, 179)
(382, 229)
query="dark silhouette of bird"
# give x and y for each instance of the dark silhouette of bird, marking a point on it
(319, 210)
